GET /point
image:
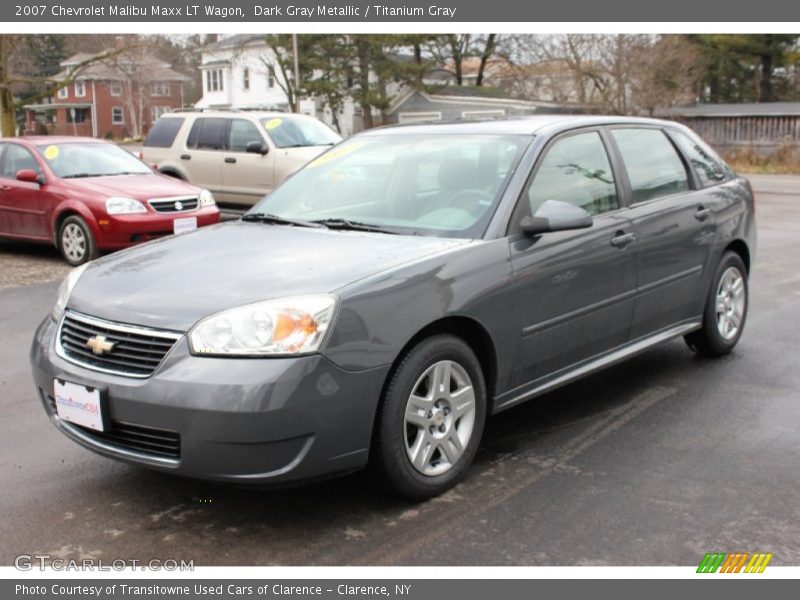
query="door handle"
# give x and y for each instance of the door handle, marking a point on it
(186, 157)
(230, 159)
(622, 239)
(702, 213)
(5, 188)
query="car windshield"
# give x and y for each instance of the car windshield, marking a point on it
(289, 132)
(90, 159)
(442, 184)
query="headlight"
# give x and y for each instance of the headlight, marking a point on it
(65, 289)
(284, 326)
(206, 198)
(124, 206)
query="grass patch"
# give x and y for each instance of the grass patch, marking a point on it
(784, 161)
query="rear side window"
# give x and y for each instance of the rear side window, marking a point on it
(207, 134)
(163, 132)
(653, 165)
(707, 168)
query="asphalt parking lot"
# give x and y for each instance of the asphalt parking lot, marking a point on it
(653, 462)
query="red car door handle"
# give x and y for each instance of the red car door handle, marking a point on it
(5, 188)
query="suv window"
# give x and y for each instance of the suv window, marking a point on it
(163, 132)
(576, 169)
(207, 134)
(241, 133)
(18, 158)
(707, 168)
(653, 165)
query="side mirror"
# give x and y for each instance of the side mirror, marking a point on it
(256, 147)
(554, 215)
(29, 176)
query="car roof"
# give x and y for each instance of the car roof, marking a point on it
(523, 125)
(259, 114)
(41, 140)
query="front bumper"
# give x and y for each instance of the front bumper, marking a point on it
(256, 421)
(123, 231)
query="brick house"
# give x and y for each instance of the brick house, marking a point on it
(116, 97)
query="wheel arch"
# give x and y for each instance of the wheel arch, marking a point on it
(70, 210)
(740, 248)
(473, 334)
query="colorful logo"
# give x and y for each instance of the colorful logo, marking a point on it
(736, 562)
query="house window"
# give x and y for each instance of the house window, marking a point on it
(157, 111)
(482, 114)
(214, 81)
(271, 77)
(115, 88)
(80, 89)
(77, 115)
(63, 92)
(160, 88)
(246, 78)
(117, 116)
(418, 117)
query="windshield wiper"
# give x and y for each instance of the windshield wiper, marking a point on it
(306, 145)
(125, 173)
(78, 175)
(352, 225)
(276, 220)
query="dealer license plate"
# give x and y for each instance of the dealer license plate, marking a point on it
(184, 225)
(79, 404)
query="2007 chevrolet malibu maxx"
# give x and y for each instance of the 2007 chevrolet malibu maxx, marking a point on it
(380, 304)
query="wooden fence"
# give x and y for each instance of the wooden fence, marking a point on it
(763, 134)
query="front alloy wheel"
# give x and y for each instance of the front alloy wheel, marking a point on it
(440, 418)
(430, 419)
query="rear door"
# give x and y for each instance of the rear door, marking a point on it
(673, 224)
(573, 289)
(204, 154)
(23, 205)
(246, 176)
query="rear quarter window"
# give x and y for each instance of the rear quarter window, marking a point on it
(709, 169)
(207, 133)
(163, 132)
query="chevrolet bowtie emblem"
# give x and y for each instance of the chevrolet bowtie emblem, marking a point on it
(100, 345)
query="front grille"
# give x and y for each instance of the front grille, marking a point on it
(136, 351)
(174, 205)
(150, 441)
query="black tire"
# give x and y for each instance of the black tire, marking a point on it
(708, 340)
(75, 241)
(390, 460)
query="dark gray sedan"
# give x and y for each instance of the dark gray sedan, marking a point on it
(403, 286)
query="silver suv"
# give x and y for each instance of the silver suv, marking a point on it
(239, 155)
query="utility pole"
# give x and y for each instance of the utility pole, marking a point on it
(296, 57)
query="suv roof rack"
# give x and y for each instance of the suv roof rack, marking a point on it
(234, 110)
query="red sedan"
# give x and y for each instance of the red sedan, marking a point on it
(87, 195)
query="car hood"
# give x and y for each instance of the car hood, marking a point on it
(173, 282)
(140, 187)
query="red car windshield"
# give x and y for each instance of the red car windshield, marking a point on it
(90, 159)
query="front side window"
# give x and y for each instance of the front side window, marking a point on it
(241, 133)
(444, 185)
(16, 159)
(707, 168)
(654, 167)
(576, 170)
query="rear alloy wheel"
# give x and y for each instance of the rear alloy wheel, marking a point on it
(431, 419)
(725, 311)
(75, 241)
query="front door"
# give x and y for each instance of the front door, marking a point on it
(246, 176)
(23, 205)
(573, 290)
